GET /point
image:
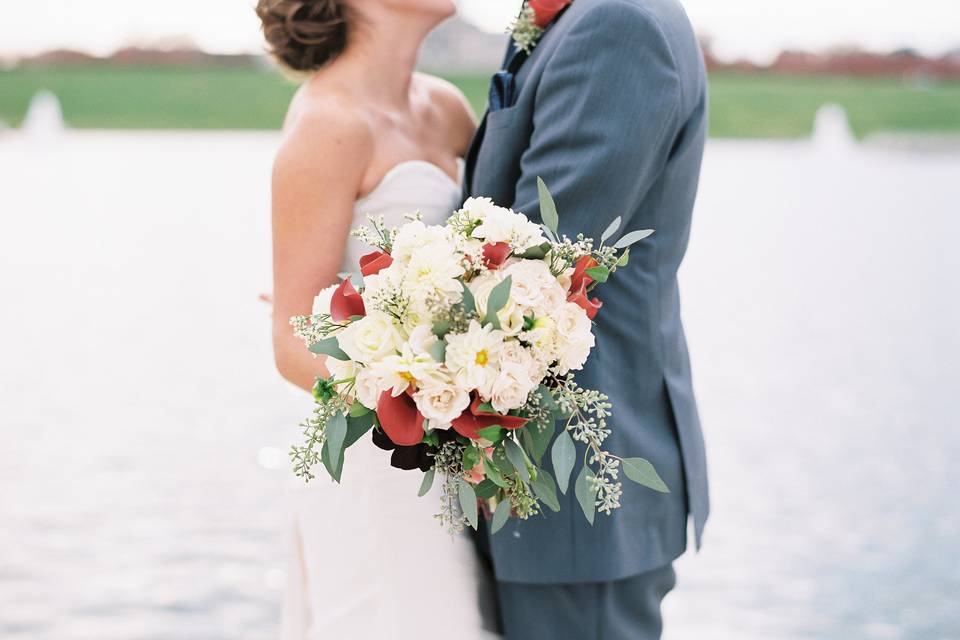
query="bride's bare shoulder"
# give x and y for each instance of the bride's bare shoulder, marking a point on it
(454, 109)
(324, 126)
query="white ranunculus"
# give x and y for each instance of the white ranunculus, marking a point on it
(530, 280)
(441, 404)
(510, 388)
(503, 225)
(472, 357)
(515, 353)
(367, 388)
(321, 303)
(417, 238)
(370, 338)
(479, 209)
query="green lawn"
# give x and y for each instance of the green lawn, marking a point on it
(222, 98)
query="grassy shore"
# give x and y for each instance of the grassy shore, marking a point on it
(754, 106)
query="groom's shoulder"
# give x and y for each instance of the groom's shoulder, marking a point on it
(664, 16)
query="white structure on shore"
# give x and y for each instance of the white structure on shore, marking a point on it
(44, 117)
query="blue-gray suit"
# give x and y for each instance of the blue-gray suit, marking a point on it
(610, 110)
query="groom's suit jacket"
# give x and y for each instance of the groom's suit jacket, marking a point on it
(610, 110)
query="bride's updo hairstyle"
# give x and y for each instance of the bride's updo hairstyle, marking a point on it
(304, 35)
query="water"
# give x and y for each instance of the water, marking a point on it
(142, 478)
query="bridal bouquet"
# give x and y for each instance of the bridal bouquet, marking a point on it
(456, 345)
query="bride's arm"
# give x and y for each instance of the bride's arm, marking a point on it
(316, 178)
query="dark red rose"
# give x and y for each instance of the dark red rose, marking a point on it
(472, 420)
(495, 255)
(547, 10)
(580, 278)
(372, 263)
(400, 419)
(580, 298)
(346, 302)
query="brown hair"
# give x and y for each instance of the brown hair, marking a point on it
(304, 35)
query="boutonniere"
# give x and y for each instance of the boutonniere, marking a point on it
(529, 26)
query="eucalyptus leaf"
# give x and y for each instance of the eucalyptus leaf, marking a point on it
(438, 350)
(336, 434)
(563, 455)
(491, 433)
(427, 483)
(501, 463)
(612, 229)
(500, 516)
(549, 233)
(540, 434)
(329, 347)
(357, 410)
(538, 252)
(642, 472)
(586, 494)
(517, 458)
(493, 474)
(624, 259)
(468, 501)
(469, 304)
(357, 427)
(600, 274)
(546, 489)
(548, 208)
(486, 489)
(497, 300)
(333, 469)
(632, 238)
(441, 328)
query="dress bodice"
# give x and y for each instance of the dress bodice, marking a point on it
(407, 188)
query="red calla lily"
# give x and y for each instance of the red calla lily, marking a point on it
(580, 277)
(373, 263)
(547, 10)
(346, 302)
(473, 420)
(496, 254)
(400, 419)
(580, 298)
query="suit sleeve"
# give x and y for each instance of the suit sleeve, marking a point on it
(606, 113)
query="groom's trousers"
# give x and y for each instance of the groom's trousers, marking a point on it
(626, 609)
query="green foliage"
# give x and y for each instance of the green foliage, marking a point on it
(632, 238)
(486, 489)
(600, 274)
(586, 493)
(642, 472)
(500, 516)
(563, 455)
(438, 350)
(357, 410)
(546, 489)
(492, 472)
(468, 501)
(548, 208)
(427, 483)
(492, 433)
(498, 298)
(612, 229)
(329, 347)
(336, 434)
(517, 458)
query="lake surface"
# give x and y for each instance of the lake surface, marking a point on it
(143, 431)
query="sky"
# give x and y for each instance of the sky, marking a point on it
(755, 29)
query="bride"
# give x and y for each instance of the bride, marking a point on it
(365, 134)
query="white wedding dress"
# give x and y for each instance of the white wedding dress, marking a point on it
(368, 559)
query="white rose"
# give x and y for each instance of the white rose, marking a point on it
(510, 315)
(510, 388)
(367, 388)
(369, 339)
(576, 337)
(441, 404)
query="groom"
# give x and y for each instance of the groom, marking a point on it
(610, 109)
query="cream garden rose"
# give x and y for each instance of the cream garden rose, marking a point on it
(441, 404)
(370, 338)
